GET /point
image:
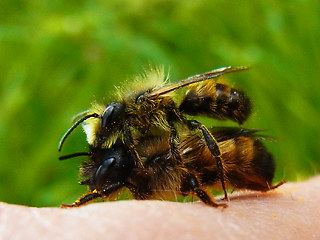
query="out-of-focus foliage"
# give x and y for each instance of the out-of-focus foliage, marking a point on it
(56, 57)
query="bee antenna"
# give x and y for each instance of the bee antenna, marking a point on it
(78, 154)
(67, 133)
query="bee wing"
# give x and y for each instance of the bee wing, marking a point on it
(225, 133)
(194, 79)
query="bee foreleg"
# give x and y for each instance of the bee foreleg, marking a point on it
(214, 149)
(84, 199)
(173, 137)
(130, 144)
(90, 196)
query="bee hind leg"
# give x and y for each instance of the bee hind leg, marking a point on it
(214, 149)
(277, 185)
(191, 185)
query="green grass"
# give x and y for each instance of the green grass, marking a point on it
(56, 57)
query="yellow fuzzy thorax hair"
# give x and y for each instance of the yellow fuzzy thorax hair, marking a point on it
(152, 78)
(126, 93)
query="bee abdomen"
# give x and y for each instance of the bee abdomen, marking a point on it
(249, 165)
(263, 162)
(218, 101)
(233, 103)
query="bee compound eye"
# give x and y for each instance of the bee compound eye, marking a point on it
(101, 175)
(106, 115)
(140, 98)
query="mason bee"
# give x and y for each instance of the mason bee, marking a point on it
(247, 165)
(149, 107)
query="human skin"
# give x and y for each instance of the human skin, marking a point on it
(291, 211)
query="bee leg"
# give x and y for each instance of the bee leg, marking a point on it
(173, 137)
(191, 184)
(205, 198)
(138, 193)
(95, 194)
(84, 199)
(214, 149)
(130, 144)
(277, 185)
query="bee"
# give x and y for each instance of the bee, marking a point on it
(247, 165)
(150, 107)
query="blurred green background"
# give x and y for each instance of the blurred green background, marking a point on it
(56, 57)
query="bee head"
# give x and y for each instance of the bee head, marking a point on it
(112, 165)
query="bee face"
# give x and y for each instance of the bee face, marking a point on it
(107, 166)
